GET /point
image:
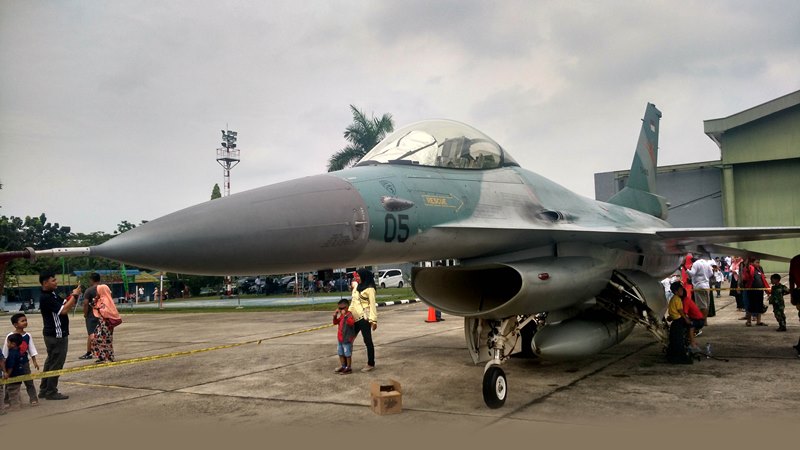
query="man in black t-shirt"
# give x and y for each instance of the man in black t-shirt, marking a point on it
(55, 315)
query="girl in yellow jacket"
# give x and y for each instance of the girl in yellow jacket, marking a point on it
(365, 312)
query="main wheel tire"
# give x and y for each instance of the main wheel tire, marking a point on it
(383, 285)
(400, 284)
(495, 387)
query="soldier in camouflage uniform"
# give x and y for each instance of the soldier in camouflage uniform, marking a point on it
(776, 300)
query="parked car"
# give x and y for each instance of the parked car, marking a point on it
(208, 291)
(291, 284)
(246, 285)
(303, 282)
(341, 284)
(283, 283)
(389, 278)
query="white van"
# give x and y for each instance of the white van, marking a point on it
(389, 278)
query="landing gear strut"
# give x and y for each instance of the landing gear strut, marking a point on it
(502, 338)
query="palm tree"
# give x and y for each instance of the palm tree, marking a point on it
(363, 134)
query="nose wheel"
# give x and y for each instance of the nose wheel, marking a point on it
(495, 387)
(494, 341)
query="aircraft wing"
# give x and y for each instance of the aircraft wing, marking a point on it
(708, 240)
(699, 236)
(733, 251)
(671, 240)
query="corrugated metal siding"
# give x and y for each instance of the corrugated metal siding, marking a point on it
(768, 194)
(773, 138)
(694, 194)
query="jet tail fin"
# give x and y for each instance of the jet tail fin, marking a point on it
(639, 192)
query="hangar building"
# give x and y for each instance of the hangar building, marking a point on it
(760, 150)
(756, 182)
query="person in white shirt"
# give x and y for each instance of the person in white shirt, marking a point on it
(718, 277)
(701, 275)
(727, 268)
(667, 283)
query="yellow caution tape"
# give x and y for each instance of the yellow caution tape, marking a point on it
(730, 289)
(57, 373)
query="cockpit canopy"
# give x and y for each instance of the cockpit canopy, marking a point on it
(439, 143)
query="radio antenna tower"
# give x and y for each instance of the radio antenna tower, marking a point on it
(228, 157)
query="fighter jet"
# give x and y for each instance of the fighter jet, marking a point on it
(543, 271)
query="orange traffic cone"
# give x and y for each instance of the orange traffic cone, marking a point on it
(431, 315)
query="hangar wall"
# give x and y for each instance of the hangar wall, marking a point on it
(766, 194)
(760, 150)
(692, 190)
(773, 137)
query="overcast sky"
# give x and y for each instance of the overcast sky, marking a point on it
(112, 111)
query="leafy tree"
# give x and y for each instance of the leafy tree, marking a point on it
(11, 234)
(17, 233)
(88, 262)
(36, 232)
(215, 193)
(363, 134)
(124, 226)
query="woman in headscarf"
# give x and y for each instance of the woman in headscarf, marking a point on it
(755, 283)
(735, 292)
(365, 311)
(106, 311)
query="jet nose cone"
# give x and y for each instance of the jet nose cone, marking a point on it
(310, 223)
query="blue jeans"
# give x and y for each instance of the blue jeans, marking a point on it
(345, 349)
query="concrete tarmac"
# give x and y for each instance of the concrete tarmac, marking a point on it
(289, 380)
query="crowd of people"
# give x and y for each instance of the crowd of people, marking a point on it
(356, 316)
(691, 298)
(19, 349)
(691, 303)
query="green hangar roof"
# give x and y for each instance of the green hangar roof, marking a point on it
(715, 128)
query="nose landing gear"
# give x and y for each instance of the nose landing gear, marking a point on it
(496, 339)
(495, 386)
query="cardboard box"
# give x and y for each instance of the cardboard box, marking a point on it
(386, 397)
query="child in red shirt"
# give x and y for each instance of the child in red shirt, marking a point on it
(696, 316)
(347, 333)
